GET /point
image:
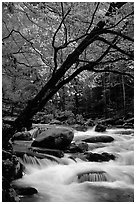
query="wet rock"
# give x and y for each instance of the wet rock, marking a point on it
(54, 152)
(34, 132)
(96, 139)
(55, 138)
(79, 127)
(100, 128)
(22, 136)
(7, 132)
(25, 190)
(77, 147)
(108, 156)
(11, 168)
(95, 157)
(8, 192)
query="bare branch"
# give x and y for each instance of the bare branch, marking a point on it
(8, 35)
(17, 9)
(53, 41)
(27, 65)
(105, 62)
(29, 41)
(15, 41)
(93, 17)
(107, 50)
(118, 33)
(116, 47)
(115, 60)
(125, 17)
(71, 41)
(113, 71)
(65, 28)
(104, 54)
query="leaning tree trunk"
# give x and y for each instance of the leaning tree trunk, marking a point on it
(52, 86)
(56, 81)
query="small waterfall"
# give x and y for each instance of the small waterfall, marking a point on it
(48, 160)
(99, 176)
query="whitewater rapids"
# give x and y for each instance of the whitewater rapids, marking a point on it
(79, 181)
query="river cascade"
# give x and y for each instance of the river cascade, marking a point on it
(74, 180)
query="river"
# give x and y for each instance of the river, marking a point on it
(81, 181)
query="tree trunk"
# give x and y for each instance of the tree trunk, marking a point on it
(124, 95)
(54, 84)
(104, 95)
(50, 89)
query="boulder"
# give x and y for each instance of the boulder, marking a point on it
(34, 132)
(8, 192)
(79, 127)
(54, 138)
(100, 128)
(54, 152)
(11, 167)
(103, 138)
(7, 133)
(25, 190)
(22, 136)
(95, 157)
(77, 147)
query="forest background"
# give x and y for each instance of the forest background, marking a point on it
(68, 61)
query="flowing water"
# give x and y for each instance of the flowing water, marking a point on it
(66, 180)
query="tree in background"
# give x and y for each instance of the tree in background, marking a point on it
(52, 43)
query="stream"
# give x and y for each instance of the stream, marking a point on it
(79, 181)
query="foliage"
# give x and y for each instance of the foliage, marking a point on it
(52, 49)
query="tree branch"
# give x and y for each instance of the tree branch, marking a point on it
(115, 60)
(107, 50)
(53, 40)
(93, 17)
(65, 28)
(8, 35)
(121, 20)
(116, 47)
(15, 41)
(118, 33)
(112, 71)
(37, 51)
